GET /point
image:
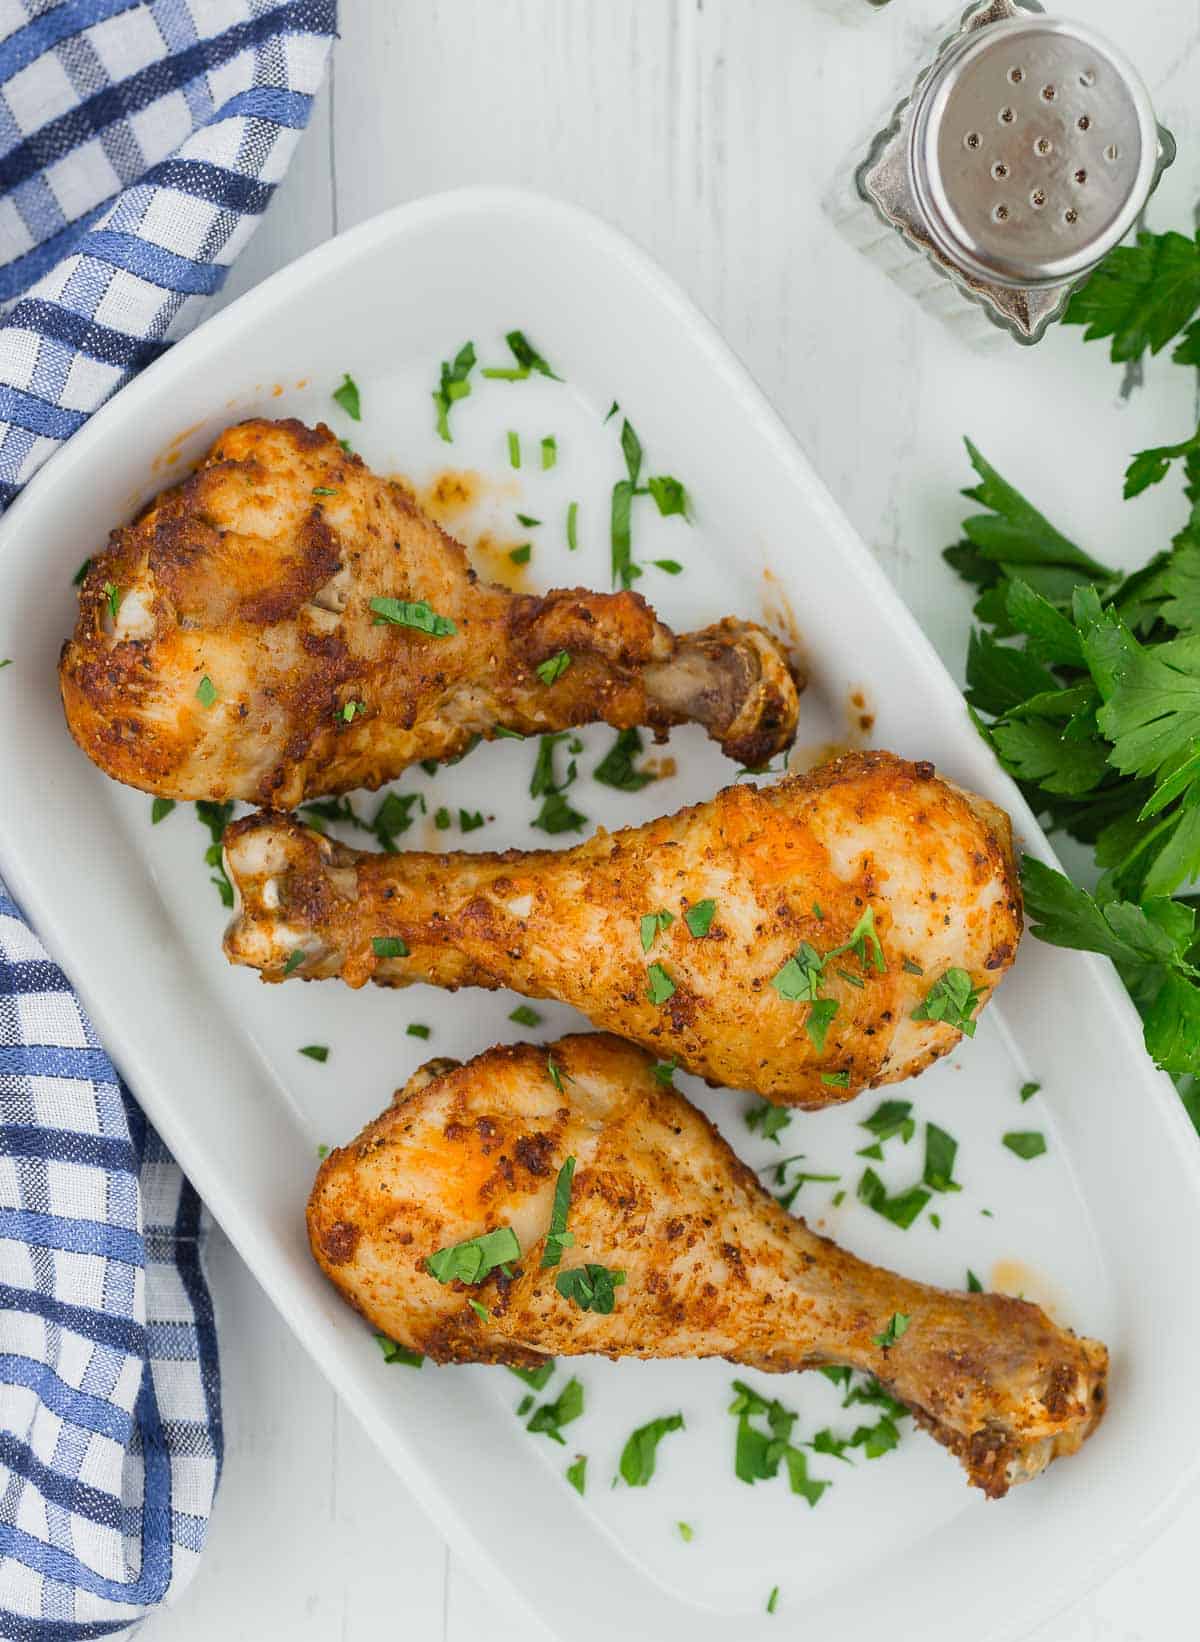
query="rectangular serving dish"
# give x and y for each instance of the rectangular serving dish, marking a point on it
(1096, 1228)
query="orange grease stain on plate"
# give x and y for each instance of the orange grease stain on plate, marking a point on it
(452, 497)
(1015, 1277)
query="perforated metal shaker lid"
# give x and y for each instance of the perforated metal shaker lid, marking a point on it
(1032, 149)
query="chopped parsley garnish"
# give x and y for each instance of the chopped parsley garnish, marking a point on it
(1025, 1143)
(480, 1310)
(505, 373)
(347, 397)
(891, 1118)
(897, 1326)
(322, 1152)
(522, 554)
(413, 613)
(112, 594)
(758, 1453)
(216, 817)
(558, 1237)
(550, 1418)
(514, 449)
(525, 1016)
(654, 924)
(527, 356)
(77, 578)
(699, 917)
(577, 1473)
(612, 411)
(953, 999)
(616, 768)
(901, 1210)
(631, 448)
(206, 691)
(393, 1352)
(470, 820)
(786, 1198)
(773, 1599)
(940, 1152)
(686, 1532)
(974, 1286)
(836, 1080)
(528, 1400)
(591, 1287)
(911, 968)
(470, 1262)
(640, 1454)
(659, 985)
(669, 494)
(767, 1120)
(316, 1051)
(528, 521)
(803, 975)
(454, 385)
(323, 490)
(800, 979)
(1028, 1090)
(549, 452)
(538, 1377)
(417, 1029)
(624, 571)
(663, 1071)
(295, 959)
(442, 819)
(553, 668)
(388, 946)
(572, 525)
(555, 815)
(160, 809)
(351, 709)
(671, 566)
(555, 1073)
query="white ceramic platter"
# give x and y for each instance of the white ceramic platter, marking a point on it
(1098, 1228)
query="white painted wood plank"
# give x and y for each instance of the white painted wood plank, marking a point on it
(708, 130)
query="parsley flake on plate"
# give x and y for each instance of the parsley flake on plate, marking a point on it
(1026, 1143)
(453, 386)
(577, 1473)
(538, 1377)
(639, 1457)
(767, 1120)
(525, 1016)
(617, 769)
(160, 809)
(549, 1418)
(395, 1353)
(347, 396)
(316, 1051)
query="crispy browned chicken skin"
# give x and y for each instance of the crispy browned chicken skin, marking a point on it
(714, 1266)
(798, 862)
(257, 575)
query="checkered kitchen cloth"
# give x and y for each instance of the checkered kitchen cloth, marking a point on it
(140, 141)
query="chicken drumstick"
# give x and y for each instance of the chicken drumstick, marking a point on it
(285, 624)
(803, 940)
(712, 1266)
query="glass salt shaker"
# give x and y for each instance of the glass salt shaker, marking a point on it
(1024, 153)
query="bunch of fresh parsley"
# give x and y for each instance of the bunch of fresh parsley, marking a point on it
(1086, 682)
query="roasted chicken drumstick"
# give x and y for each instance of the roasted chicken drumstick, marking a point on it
(804, 940)
(713, 1266)
(284, 624)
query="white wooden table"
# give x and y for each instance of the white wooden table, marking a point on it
(708, 130)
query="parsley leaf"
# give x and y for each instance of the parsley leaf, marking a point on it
(538, 1377)
(412, 613)
(527, 356)
(396, 1353)
(558, 1237)
(640, 1454)
(549, 1418)
(652, 925)
(659, 985)
(940, 1151)
(767, 1120)
(1025, 1143)
(347, 396)
(473, 1260)
(453, 386)
(897, 1327)
(699, 917)
(669, 495)
(1141, 295)
(901, 1210)
(388, 946)
(577, 1473)
(952, 998)
(591, 1287)
(616, 768)
(525, 1016)
(553, 668)
(316, 1051)
(216, 817)
(891, 1118)
(160, 809)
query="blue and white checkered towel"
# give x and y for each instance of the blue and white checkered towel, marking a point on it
(140, 141)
